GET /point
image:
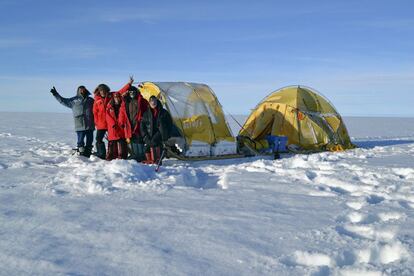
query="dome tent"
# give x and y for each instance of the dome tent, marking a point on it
(201, 127)
(306, 118)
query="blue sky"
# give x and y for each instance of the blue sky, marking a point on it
(359, 54)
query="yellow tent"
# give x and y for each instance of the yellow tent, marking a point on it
(197, 114)
(307, 119)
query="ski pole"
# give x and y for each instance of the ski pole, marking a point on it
(160, 161)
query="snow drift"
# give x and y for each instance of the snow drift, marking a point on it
(347, 213)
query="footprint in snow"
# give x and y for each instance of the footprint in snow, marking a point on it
(406, 204)
(356, 205)
(311, 175)
(383, 253)
(374, 199)
(366, 232)
(404, 173)
(357, 217)
(312, 259)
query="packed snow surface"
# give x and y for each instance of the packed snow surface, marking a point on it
(348, 213)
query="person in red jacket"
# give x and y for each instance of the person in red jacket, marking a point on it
(135, 105)
(102, 97)
(119, 128)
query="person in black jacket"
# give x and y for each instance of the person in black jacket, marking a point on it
(156, 126)
(81, 106)
(135, 107)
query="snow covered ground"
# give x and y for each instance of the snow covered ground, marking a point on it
(347, 213)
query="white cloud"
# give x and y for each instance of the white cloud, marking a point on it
(396, 24)
(75, 51)
(121, 16)
(15, 42)
(199, 11)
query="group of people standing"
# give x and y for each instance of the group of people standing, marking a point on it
(134, 127)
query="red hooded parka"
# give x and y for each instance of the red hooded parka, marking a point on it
(100, 105)
(118, 126)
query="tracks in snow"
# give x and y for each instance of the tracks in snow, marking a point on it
(376, 199)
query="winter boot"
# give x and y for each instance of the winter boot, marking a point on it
(87, 152)
(155, 154)
(148, 158)
(137, 152)
(81, 151)
(112, 150)
(122, 149)
(134, 150)
(100, 150)
(141, 152)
